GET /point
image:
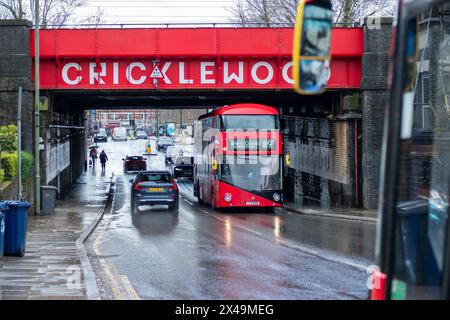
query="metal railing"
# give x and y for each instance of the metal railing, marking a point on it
(169, 25)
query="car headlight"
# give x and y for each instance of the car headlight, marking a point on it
(227, 197)
(276, 197)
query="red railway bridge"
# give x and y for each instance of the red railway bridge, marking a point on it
(180, 67)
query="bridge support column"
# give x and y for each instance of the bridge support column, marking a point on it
(375, 98)
(323, 142)
(15, 72)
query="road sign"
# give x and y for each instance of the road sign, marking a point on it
(156, 73)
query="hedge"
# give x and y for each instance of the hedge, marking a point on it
(2, 175)
(8, 138)
(27, 164)
(9, 164)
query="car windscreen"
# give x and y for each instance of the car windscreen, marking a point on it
(165, 140)
(183, 160)
(156, 178)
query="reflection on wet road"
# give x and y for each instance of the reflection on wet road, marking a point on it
(197, 253)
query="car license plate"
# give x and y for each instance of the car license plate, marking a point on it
(155, 189)
(252, 203)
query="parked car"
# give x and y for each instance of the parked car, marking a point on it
(164, 142)
(101, 136)
(172, 152)
(154, 188)
(183, 167)
(141, 135)
(134, 163)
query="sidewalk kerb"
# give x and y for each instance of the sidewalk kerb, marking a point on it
(329, 215)
(89, 276)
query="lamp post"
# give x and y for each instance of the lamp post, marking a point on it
(37, 164)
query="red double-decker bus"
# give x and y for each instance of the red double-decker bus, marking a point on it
(238, 157)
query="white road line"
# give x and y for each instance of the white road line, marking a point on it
(249, 230)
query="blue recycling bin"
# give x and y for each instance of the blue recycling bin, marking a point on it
(15, 228)
(3, 208)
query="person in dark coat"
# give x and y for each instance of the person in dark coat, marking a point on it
(103, 159)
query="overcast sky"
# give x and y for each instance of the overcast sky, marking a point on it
(160, 11)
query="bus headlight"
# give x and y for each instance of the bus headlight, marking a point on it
(227, 197)
(276, 197)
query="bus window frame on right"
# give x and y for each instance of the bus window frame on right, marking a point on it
(407, 217)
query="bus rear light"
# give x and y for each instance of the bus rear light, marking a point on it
(227, 197)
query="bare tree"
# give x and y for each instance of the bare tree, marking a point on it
(95, 19)
(349, 11)
(55, 12)
(51, 12)
(272, 12)
(12, 8)
(254, 12)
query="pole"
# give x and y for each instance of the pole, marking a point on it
(19, 142)
(37, 164)
(157, 123)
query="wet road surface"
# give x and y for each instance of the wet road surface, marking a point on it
(198, 253)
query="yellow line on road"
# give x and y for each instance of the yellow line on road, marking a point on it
(114, 285)
(127, 284)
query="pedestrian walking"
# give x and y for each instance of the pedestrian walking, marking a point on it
(93, 155)
(103, 159)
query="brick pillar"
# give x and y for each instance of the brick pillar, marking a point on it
(16, 71)
(375, 97)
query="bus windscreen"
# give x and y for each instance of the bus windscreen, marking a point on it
(246, 122)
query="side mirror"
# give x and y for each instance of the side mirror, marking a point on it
(312, 46)
(131, 180)
(123, 159)
(214, 165)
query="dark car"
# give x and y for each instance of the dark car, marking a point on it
(134, 163)
(101, 136)
(154, 188)
(183, 167)
(164, 142)
(141, 135)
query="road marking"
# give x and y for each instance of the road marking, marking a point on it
(189, 202)
(322, 255)
(219, 218)
(114, 286)
(249, 230)
(127, 284)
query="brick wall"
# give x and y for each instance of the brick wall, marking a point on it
(322, 169)
(16, 71)
(375, 97)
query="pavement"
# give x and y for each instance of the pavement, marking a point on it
(55, 265)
